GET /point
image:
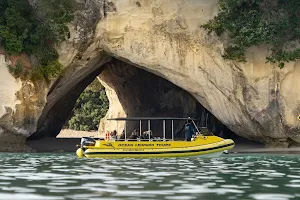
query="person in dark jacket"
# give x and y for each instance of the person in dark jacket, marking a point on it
(189, 130)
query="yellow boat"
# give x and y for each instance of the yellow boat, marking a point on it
(199, 144)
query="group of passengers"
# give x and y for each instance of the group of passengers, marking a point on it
(135, 135)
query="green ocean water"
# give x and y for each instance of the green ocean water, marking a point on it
(234, 176)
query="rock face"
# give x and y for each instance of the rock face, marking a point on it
(63, 95)
(8, 88)
(21, 103)
(115, 110)
(255, 99)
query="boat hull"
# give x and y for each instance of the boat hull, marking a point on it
(149, 155)
(210, 146)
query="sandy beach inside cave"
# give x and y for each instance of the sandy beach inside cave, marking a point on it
(68, 133)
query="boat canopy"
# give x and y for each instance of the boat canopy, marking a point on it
(150, 118)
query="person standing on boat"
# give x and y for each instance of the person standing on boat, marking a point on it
(189, 130)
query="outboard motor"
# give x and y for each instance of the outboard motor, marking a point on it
(87, 141)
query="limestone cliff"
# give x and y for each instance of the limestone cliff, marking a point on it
(21, 104)
(115, 110)
(254, 99)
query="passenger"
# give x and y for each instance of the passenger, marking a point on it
(113, 135)
(122, 136)
(189, 131)
(134, 135)
(146, 134)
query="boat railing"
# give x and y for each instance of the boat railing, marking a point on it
(148, 133)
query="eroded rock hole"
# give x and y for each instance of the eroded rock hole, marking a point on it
(63, 94)
(132, 92)
(143, 94)
(90, 107)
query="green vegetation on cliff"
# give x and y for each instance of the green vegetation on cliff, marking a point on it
(275, 23)
(23, 30)
(91, 106)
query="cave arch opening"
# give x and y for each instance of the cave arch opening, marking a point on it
(91, 106)
(144, 94)
(139, 93)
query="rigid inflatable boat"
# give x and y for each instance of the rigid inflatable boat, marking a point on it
(197, 145)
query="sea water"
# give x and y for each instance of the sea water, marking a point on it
(234, 176)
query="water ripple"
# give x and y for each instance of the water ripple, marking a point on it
(63, 176)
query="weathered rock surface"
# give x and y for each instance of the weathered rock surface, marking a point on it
(255, 99)
(21, 103)
(115, 110)
(63, 95)
(8, 87)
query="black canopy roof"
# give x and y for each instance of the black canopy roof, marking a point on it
(150, 118)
